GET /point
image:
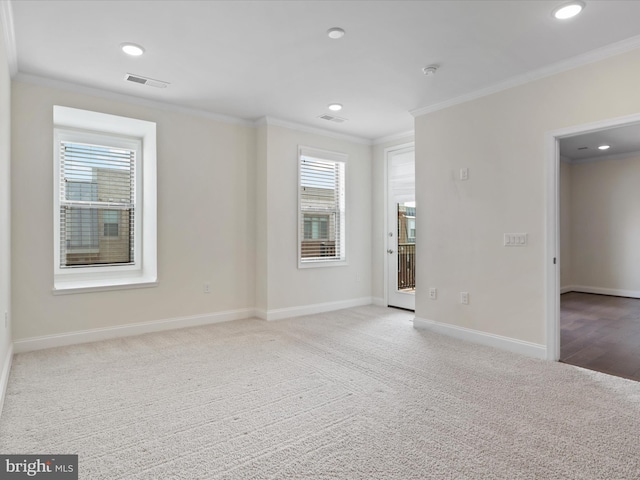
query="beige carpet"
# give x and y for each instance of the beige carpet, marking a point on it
(355, 394)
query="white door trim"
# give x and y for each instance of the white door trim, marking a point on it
(552, 223)
(387, 158)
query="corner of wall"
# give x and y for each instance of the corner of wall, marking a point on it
(4, 375)
(260, 213)
(6, 350)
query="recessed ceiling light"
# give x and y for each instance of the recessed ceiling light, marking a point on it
(335, 33)
(604, 147)
(568, 10)
(335, 107)
(132, 49)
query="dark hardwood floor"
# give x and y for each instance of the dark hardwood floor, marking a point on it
(601, 333)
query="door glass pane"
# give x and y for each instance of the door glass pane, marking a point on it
(406, 247)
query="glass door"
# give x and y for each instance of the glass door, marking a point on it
(401, 229)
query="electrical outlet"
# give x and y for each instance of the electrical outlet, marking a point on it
(433, 293)
(206, 288)
(464, 298)
(464, 174)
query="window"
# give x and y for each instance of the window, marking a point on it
(321, 202)
(316, 227)
(411, 227)
(97, 186)
(111, 222)
(100, 199)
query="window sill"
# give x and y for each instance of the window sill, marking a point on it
(65, 288)
(323, 263)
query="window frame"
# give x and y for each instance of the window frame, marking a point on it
(315, 262)
(84, 126)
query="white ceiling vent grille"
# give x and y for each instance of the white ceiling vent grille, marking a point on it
(130, 77)
(332, 118)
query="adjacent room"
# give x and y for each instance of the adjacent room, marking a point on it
(600, 214)
(318, 239)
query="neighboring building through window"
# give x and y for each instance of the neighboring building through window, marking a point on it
(322, 239)
(406, 223)
(99, 186)
(316, 227)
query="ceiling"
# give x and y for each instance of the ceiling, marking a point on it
(622, 140)
(250, 59)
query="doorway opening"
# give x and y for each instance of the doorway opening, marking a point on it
(400, 223)
(593, 294)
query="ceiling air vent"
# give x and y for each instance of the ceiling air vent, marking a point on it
(145, 81)
(332, 118)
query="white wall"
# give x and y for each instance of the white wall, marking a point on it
(288, 287)
(5, 210)
(206, 219)
(227, 214)
(605, 226)
(379, 237)
(501, 139)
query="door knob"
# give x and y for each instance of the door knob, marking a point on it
(389, 251)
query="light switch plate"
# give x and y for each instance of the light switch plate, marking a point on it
(515, 239)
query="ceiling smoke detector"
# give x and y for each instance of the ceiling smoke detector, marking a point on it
(129, 77)
(430, 70)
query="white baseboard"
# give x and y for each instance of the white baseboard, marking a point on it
(601, 291)
(282, 313)
(379, 301)
(488, 339)
(96, 334)
(4, 378)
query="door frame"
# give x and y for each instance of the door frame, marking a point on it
(552, 245)
(387, 158)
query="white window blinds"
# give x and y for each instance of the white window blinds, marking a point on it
(97, 205)
(322, 206)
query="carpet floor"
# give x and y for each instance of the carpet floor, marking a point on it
(353, 394)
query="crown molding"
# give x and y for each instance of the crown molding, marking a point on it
(394, 137)
(277, 122)
(6, 19)
(121, 97)
(77, 88)
(559, 67)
